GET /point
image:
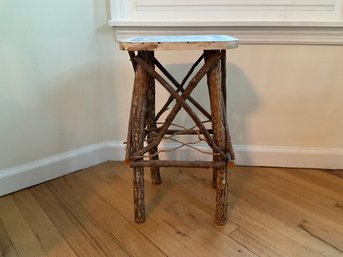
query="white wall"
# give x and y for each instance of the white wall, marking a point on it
(288, 95)
(56, 78)
(64, 85)
(279, 95)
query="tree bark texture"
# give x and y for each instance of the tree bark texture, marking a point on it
(228, 147)
(142, 125)
(185, 164)
(181, 102)
(137, 134)
(151, 120)
(219, 136)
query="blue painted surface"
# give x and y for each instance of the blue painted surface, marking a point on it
(181, 39)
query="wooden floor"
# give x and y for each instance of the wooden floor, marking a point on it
(273, 212)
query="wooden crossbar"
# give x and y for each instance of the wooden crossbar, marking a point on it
(180, 88)
(182, 132)
(185, 164)
(180, 102)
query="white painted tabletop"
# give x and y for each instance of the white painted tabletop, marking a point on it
(196, 42)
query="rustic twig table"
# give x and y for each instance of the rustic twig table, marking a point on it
(145, 132)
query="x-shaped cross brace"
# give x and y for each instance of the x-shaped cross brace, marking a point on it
(180, 102)
(143, 122)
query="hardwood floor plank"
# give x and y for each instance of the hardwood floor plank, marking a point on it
(323, 175)
(327, 192)
(321, 179)
(295, 233)
(325, 234)
(19, 232)
(72, 192)
(337, 173)
(317, 206)
(240, 189)
(288, 246)
(256, 244)
(163, 228)
(176, 229)
(84, 236)
(6, 247)
(325, 199)
(312, 212)
(112, 221)
(321, 243)
(197, 229)
(273, 212)
(287, 174)
(270, 178)
(188, 182)
(46, 232)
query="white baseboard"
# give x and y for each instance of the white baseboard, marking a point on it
(36, 172)
(273, 156)
(292, 157)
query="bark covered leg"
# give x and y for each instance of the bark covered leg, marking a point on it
(219, 137)
(138, 194)
(137, 124)
(151, 121)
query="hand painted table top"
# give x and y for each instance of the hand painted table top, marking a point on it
(196, 42)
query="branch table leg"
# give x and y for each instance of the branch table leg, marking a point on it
(142, 125)
(218, 126)
(137, 123)
(151, 120)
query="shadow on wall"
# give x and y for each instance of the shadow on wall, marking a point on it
(242, 103)
(75, 104)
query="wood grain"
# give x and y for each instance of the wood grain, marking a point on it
(151, 121)
(177, 204)
(185, 241)
(48, 235)
(272, 212)
(137, 124)
(6, 246)
(116, 237)
(24, 240)
(79, 229)
(219, 178)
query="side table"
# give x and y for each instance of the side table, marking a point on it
(145, 131)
